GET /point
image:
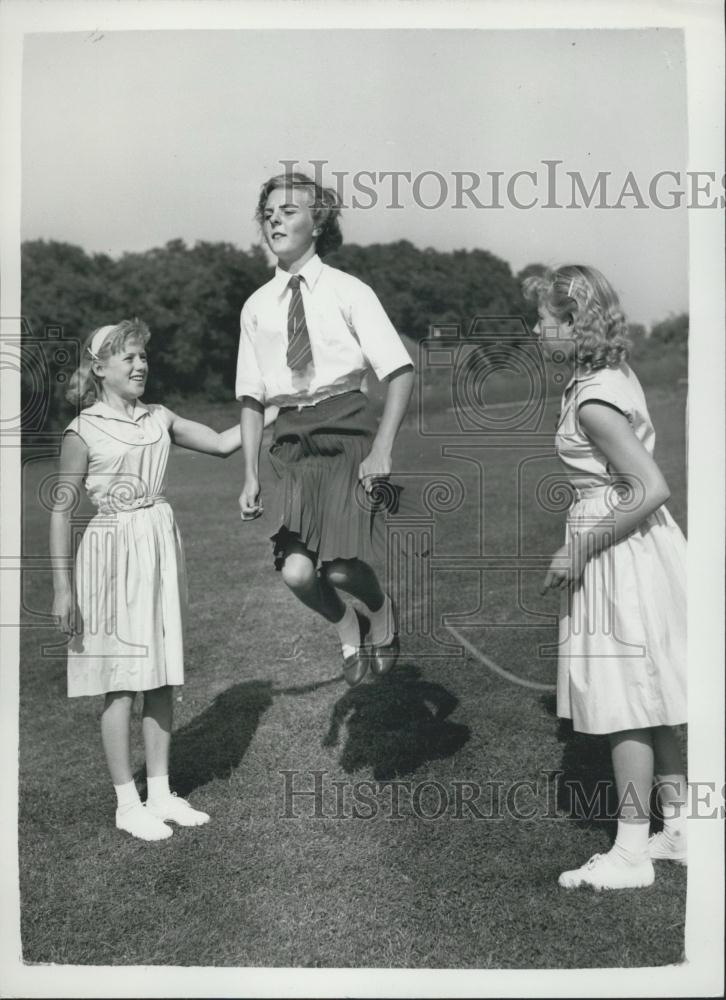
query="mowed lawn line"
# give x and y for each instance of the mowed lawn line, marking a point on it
(256, 889)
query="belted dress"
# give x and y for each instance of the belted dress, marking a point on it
(130, 577)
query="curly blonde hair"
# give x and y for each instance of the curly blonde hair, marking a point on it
(325, 207)
(582, 295)
(85, 387)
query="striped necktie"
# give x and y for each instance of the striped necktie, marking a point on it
(299, 353)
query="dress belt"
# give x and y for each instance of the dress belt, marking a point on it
(608, 491)
(583, 492)
(123, 507)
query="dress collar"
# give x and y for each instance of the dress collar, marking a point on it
(581, 377)
(102, 409)
(585, 376)
(310, 271)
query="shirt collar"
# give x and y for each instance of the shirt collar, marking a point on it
(310, 271)
(102, 409)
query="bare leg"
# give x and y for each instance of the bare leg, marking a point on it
(670, 843)
(632, 754)
(627, 864)
(300, 575)
(669, 768)
(156, 725)
(356, 578)
(157, 722)
(130, 814)
(115, 724)
(314, 590)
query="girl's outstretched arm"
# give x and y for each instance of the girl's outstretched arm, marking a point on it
(251, 422)
(199, 437)
(635, 469)
(378, 463)
(73, 468)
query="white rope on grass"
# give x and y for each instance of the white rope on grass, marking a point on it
(495, 668)
(520, 403)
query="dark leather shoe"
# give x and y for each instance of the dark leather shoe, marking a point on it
(383, 658)
(355, 667)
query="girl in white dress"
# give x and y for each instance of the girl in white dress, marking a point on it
(622, 574)
(130, 582)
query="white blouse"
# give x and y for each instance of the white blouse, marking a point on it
(349, 331)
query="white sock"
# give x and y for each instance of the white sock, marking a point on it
(382, 623)
(631, 842)
(349, 631)
(674, 823)
(158, 788)
(127, 796)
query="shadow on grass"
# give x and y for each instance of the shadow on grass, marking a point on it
(212, 745)
(586, 787)
(395, 725)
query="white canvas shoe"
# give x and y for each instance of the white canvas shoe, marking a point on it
(177, 810)
(139, 822)
(601, 872)
(661, 848)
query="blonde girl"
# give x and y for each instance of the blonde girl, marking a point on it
(128, 582)
(622, 576)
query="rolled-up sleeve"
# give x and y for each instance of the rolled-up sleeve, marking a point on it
(377, 336)
(249, 380)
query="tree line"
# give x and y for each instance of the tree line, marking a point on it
(191, 296)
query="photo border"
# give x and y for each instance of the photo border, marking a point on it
(702, 22)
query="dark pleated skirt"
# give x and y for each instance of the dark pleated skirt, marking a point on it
(318, 501)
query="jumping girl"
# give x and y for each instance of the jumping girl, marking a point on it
(622, 571)
(307, 339)
(130, 581)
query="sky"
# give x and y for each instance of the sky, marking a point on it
(130, 139)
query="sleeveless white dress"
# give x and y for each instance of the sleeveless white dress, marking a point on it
(130, 575)
(622, 641)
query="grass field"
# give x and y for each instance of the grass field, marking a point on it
(264, 696)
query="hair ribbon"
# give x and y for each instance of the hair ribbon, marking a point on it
(99, 338)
